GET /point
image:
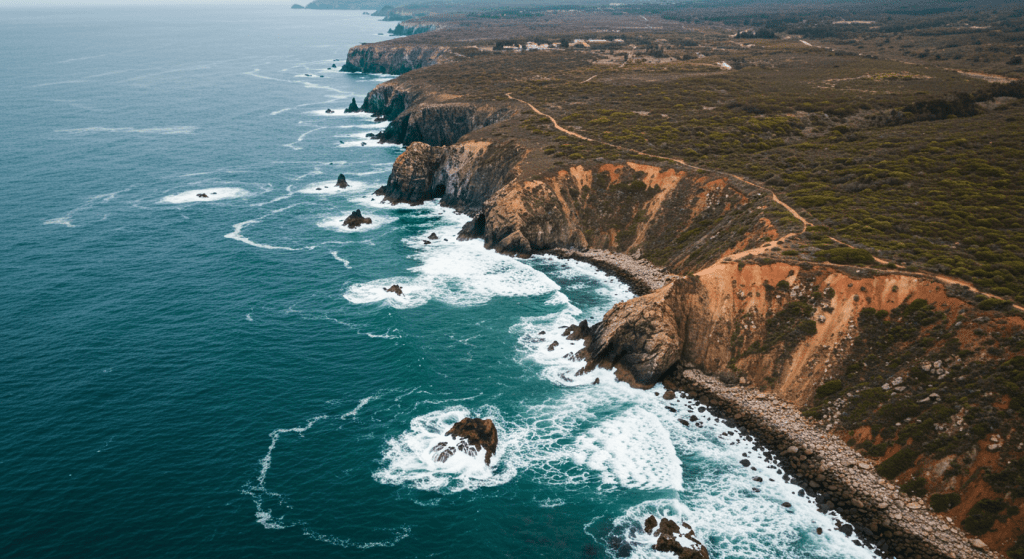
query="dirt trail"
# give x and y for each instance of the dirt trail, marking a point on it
(754, 251)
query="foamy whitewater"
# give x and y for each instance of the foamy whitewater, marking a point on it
(201, 360)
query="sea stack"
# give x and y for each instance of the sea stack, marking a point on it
(353, 107)
(342, 183)
(355, 219)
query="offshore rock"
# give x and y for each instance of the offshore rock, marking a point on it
(393, 58)
(353, 107)
(396, 289)
(355, 219)
(342, 183)
(667, 533)
(471, 435)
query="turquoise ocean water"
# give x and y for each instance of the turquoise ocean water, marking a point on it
(226, 376)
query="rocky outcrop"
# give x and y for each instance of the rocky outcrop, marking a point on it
(412, 175)
(355, 219)
(463, 176)
(391, 58)
(443, 123)
(471, 435)
(396, 289)
(667, 531)
(342, 183)
(353, 107)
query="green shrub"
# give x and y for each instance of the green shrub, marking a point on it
(846, 255)
(984, 514)
(993, 304)
(916, 487)
(829, 388)
(898, 463)
(941, 502)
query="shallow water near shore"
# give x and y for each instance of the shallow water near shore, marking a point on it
(227, 376)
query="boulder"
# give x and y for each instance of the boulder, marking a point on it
(433, 237)
(329, 111)
(353, 107)
(471, 435)
(342, 183)
(355, 219)
(396, 289)
(202, 195)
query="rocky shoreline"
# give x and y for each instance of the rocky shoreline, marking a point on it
(833, 473)
(641, 276)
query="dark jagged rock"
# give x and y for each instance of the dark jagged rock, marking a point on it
(577, 331)
(353, 107)
(329, 111)
(396, 289)
(433, 237)
(355, 219)
(667, 534)
(477, 434)
(202, 195)
(650, 524)
(342, 183)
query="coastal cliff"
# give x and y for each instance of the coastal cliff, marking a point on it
(378, 58)
(742, 296)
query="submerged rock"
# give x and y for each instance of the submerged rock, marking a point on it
(355, 219)
(471, 435)
(342, 183)
(396, 289)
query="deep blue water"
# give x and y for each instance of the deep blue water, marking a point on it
(226, 376)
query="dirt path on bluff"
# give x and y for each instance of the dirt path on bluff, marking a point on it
(757, 250)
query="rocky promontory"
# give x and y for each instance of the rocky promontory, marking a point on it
(390, 58)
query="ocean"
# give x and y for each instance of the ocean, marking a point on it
(226, 376)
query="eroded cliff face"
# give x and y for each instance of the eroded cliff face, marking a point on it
(782, 327)
(463, 176)
(675, 218)
(391, 58)
(419, 115)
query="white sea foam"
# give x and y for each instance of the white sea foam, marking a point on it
(275, 113)
(336, 223)
(409, 459)
(263, 497)
(236, 234)
(213, 194)
(399, 535)
(167, 130)
(631, 450)
(458, 273)
(347, 264)
(65, 221)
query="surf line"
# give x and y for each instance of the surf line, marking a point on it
(259, 490)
